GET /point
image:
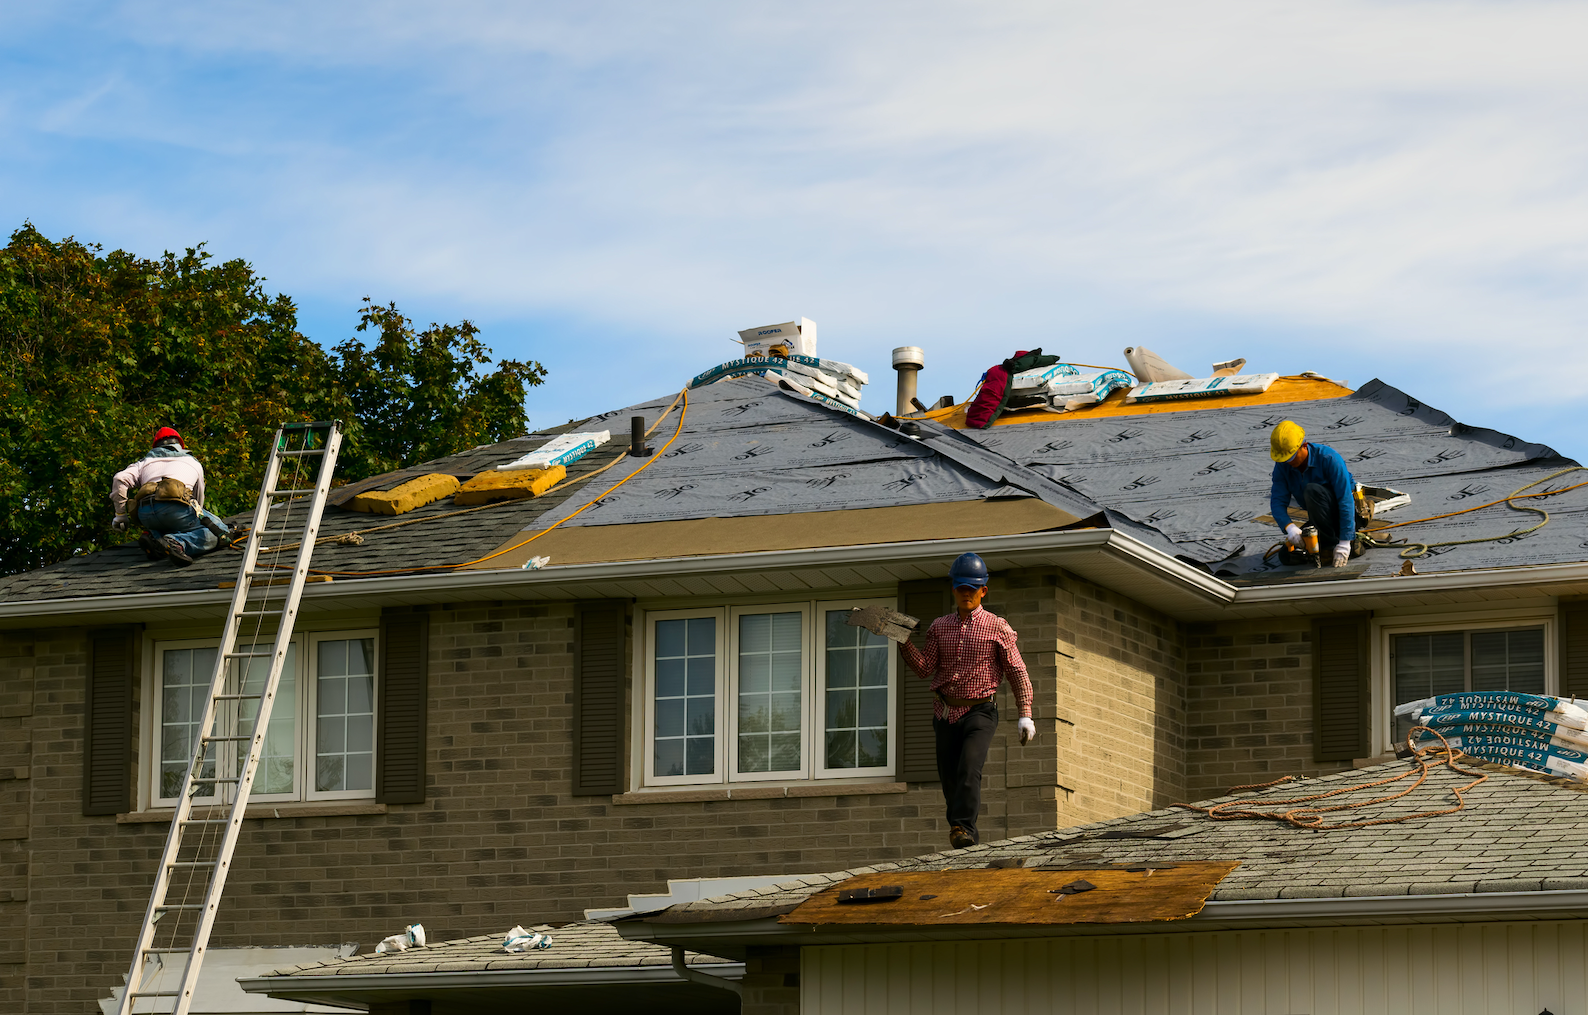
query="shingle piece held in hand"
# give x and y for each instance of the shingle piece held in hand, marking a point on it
(880, 620)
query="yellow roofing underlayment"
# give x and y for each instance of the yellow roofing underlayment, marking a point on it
(585, 544)
(1285, 389)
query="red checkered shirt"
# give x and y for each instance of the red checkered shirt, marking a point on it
(965, 658)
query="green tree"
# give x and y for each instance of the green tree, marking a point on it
(418, 396)
(98, 350)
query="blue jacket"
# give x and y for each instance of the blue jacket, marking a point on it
(1324, 465)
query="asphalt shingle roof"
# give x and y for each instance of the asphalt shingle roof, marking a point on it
(1519, 832)
(585, 945)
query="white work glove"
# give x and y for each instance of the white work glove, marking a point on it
(120, 523)
(1292, 534)
(1028, 730)
(1342, 553)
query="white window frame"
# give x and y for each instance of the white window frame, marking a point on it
(813, 705)
(1383, 630)
(310, 711)
(305, 649)
(819, 727)
(730, 676)
(648, 727)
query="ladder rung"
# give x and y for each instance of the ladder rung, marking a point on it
(213, 778)
(219, 740)
(157, 993)
(238, 697)
(191, 863)
(204, 821)
(287, 493)
(179, 905)
(300, 454)
(249, 655)
(166, 951)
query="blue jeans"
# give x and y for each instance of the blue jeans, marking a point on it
(182, 523)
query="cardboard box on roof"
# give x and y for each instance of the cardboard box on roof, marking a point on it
(519, 484)
(415, 493)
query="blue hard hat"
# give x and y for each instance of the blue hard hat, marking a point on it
(968, 569)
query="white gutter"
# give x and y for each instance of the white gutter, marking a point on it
(1109, 541)
(288, 985)
(1124, 549)
(1254, 912)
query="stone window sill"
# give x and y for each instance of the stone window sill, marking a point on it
(751, 791)
(323, 809)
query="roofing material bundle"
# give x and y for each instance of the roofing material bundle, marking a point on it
(1533, 731)
(832, 380)
(1203, 387)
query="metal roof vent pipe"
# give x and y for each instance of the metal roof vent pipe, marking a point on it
(637, 446)
(908, 361)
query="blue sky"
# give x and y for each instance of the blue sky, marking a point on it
(1390, 189)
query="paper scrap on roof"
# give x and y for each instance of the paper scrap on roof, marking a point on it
(1203, 387)
(563, 450)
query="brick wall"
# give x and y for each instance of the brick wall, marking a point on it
(1121, 688)
(1250, 704)
(16, 768)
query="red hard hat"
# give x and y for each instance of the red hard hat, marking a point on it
(165, 432)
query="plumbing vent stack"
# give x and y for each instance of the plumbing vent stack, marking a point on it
(1148, 366)
(907, 360)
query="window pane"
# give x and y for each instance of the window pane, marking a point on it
(857, 695)
(344, 715)
(1425, 665)
(185, 677)
(770, 670)
(276, 764)
(685, 705)
(1508, 661)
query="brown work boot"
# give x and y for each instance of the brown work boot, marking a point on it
(175, 551)
(959, 838)
(152, 547)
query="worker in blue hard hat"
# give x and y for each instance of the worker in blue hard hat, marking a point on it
(1315, 477)
(967, 653)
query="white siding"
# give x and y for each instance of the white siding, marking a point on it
(1451, 969)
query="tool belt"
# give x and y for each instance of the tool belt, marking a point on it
(960, 702)
(166, 489)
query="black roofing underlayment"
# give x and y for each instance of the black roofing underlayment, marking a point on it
(1193, 484)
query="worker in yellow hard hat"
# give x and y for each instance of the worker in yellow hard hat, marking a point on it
(1315, 477)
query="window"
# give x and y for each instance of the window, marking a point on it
(766, 693)
(1427, 663)
(319, 745)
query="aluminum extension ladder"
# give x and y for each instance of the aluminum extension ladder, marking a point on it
(198, 850)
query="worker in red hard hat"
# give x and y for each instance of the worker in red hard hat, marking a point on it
(164, 492)
(968, 652)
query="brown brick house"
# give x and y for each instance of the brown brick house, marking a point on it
(477, 746)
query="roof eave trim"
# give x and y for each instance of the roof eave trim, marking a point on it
(1373, 909)
(1445, 581)
(287, 985)
(1110, 541)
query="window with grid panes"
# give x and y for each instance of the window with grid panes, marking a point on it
(317, 746)
(766, 693)
(1431, 663)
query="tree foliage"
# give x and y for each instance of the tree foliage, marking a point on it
(97, 351)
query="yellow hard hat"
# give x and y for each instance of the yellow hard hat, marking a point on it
(1286, 439)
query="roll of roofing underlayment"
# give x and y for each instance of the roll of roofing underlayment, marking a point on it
(1533, 731)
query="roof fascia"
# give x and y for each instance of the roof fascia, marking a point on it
(732, 936)
(1116, 546)
(307, 988)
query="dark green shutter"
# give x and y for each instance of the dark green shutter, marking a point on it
(925, 601)
(1574, 649)
(598, 699)
(1341, 709)
(107, 722)
(403, 692)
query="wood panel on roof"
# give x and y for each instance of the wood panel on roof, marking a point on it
(1286, 389)
(582, 544)
(1021, 896)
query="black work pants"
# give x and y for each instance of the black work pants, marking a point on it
(1323, 511)
(961, 753)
